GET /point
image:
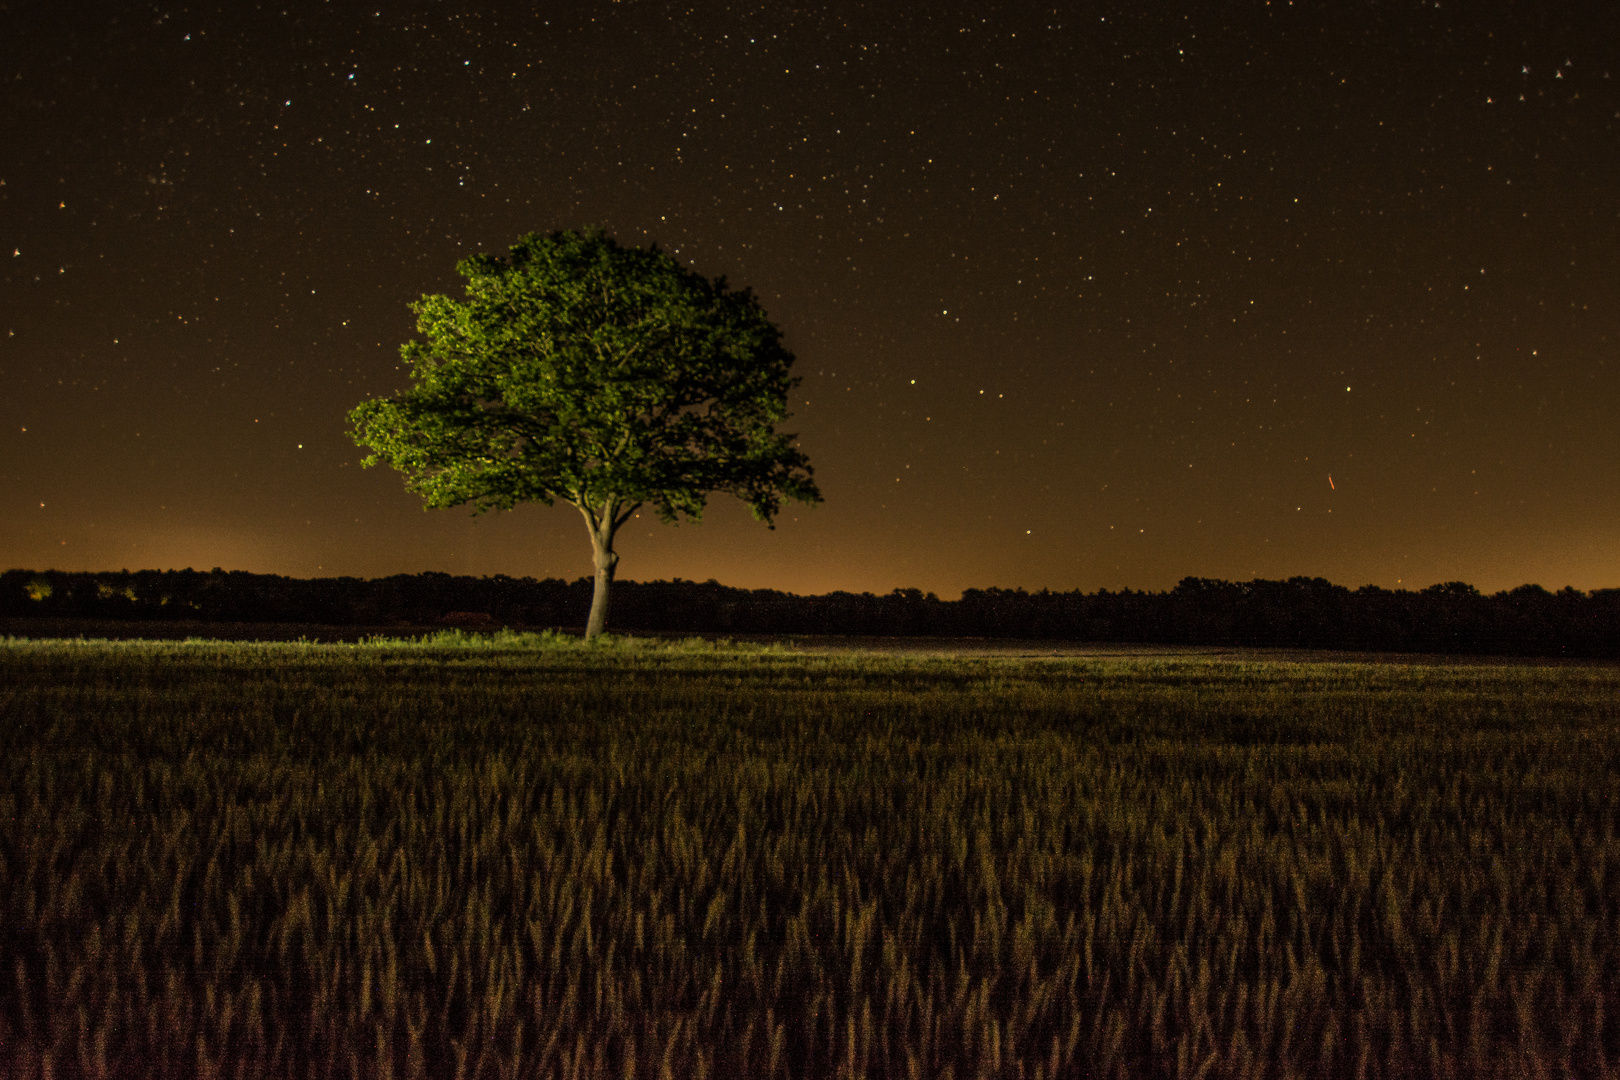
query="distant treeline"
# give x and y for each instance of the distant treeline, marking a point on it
(1298, 613)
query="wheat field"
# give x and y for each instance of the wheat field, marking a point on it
(517, 856)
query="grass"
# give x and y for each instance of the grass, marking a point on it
(522, 856)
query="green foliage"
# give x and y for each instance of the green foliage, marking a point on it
(513, 857)
(580, 370)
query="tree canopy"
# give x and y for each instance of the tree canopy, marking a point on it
(604, 376)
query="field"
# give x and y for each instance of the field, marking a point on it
(520, 856)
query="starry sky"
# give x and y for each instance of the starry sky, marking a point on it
(1083, 295)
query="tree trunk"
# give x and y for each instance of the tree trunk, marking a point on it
(603, 521)
(606, 560)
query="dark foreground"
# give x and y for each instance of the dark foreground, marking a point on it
(544, 860)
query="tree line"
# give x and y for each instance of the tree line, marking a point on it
(1309, 613)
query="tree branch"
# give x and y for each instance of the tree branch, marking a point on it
(624, 516)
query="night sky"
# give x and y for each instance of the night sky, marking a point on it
(1089, 295)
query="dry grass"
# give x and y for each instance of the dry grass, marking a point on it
(522, 857)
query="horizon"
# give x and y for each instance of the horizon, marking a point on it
(585, 581)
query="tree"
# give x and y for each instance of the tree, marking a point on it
(604, 376)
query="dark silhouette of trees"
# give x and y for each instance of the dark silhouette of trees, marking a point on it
(1302, 613)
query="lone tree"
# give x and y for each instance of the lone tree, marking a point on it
(604, 376)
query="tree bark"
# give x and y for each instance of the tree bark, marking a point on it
(603, 522)
(606, 560)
